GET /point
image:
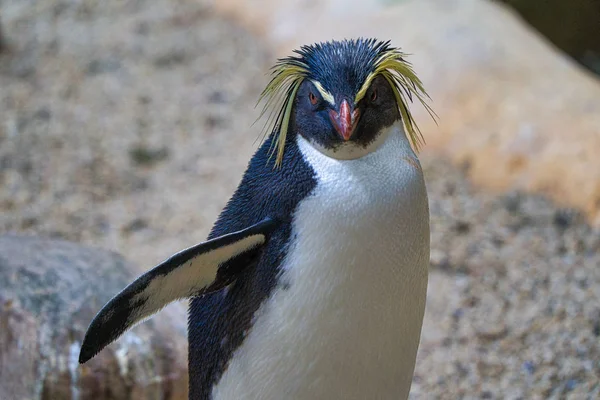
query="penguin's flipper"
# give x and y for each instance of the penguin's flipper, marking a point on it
(203, 268)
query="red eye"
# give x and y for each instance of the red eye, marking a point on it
(374, 95)
(312, 98)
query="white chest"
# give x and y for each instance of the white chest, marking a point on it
(348, 325)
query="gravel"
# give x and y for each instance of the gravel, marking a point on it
(514, 297)
(127, 126)
(124, 125)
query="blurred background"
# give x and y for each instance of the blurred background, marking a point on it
(125, 127)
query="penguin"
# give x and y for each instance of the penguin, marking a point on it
(312, 283)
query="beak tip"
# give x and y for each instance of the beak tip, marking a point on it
(344, 121)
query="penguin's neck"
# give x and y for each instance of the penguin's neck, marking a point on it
(346, 320)
(347, 150)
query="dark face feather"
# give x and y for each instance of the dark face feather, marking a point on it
(317, 122)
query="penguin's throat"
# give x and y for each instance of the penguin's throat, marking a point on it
(352, 150)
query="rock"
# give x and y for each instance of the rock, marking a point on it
(492, 333)
(120, 138)
(102, 66)
(2, 40)
(49, 292)
(522, 317)
(520, 113)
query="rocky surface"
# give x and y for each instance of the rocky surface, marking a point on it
(49, 292)
(132, 133)
(514, 299)
(124, 126)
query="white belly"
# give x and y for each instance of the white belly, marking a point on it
(348, 325)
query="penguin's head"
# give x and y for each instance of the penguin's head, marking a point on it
(340, 95)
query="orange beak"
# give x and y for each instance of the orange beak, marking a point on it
(345, 121)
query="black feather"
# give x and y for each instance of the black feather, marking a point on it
(341, 66)
(218, 322)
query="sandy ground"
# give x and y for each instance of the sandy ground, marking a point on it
(127, 126)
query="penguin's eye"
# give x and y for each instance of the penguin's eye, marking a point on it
(374, 95)
(312, 98)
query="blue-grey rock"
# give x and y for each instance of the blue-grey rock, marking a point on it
(49, 292)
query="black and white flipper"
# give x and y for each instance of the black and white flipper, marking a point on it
(203, 268)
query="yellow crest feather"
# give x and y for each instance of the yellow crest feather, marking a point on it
(405, 84)
(279, 94)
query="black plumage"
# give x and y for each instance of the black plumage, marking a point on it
(218, 322)
(341, 67)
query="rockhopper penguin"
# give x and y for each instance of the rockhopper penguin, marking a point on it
(312, 284)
